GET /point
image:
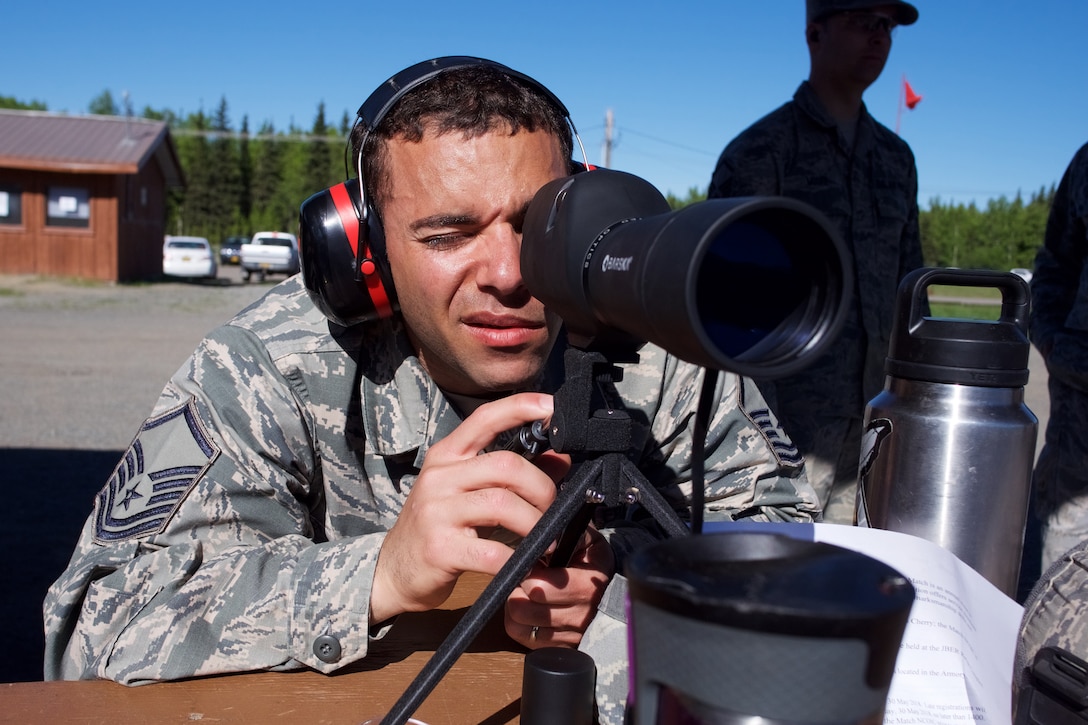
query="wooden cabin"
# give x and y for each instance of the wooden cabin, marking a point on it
(84, 196)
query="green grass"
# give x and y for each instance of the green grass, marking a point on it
(958, 311)
(987, 306)
(948, 290)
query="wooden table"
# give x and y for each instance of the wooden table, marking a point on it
(483, 686)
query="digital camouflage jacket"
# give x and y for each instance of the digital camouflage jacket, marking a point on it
(245, 520)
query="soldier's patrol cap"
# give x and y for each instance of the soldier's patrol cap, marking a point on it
(904, 13)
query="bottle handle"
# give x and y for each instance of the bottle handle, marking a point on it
(1015, 293)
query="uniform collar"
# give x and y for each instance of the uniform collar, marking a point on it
(806, 99)
(403, 409)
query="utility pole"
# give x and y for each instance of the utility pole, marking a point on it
(608, 123)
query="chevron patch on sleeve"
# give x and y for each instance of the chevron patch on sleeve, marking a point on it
(783, 447)
(168, 456)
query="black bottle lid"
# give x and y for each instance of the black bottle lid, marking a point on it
(968, 352)
(557, 687)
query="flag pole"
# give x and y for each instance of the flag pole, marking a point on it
(899, 113)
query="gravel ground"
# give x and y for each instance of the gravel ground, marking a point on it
(83, 363)
(81, 366)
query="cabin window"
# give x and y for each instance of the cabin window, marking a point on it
(68, 206)
(11, 204)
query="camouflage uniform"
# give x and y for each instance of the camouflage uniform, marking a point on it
(1055, 615)
(869, 193)
(1059, 328)
(241, 529)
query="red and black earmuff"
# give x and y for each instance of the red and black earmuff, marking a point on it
(341, 244)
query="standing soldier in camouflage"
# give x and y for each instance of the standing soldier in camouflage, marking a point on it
(824, 148)
(1059, 329)
(301, 483)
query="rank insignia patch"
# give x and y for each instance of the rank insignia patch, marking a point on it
(783, 447)
(143, 494)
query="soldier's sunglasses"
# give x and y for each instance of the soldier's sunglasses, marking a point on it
(869, 22)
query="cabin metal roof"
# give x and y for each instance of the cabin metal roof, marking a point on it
(42, 141)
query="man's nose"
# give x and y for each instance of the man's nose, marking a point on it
(500, 265)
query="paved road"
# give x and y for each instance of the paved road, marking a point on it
(81, 366)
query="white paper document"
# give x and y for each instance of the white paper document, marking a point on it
(956, 659)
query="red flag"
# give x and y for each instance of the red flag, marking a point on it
(910, 97)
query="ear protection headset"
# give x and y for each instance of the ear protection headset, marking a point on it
(341, 243)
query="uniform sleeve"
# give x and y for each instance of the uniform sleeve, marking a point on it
(200, 556)
(1059, 285)
(911, 243)
(752, 468)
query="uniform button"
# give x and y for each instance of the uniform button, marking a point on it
(327, 648)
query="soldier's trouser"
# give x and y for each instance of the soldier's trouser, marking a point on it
(1061, 473)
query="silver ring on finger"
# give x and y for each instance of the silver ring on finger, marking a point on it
(533, 633)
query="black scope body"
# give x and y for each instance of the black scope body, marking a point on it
(753, 285)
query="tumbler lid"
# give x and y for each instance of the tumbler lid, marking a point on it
(780, 585)
(983, 353)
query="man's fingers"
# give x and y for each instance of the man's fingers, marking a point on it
(487, 422)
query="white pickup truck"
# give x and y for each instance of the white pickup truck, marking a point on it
(270, 253)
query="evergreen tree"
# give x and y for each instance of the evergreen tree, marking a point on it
(223, 178)
(164, 115)
(1004, 236)
(695, 194)
(269, 205)
(103, 105)
(318, 172)
(196, 204)
(13, 104)
(245, 182)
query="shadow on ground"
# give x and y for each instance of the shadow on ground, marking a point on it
(50, 493)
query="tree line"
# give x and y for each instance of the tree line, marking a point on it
(239, 182)
(1001, 236)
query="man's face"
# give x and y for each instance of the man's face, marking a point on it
(452, 220)
(853, 46)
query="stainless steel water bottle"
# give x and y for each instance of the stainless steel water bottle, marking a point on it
(949, 443)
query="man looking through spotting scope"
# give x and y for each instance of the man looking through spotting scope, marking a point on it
(316, 479)
(825, 149)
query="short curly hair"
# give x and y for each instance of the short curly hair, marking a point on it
(473, 100)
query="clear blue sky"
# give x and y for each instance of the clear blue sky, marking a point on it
(1003, 83)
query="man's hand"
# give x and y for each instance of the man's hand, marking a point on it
(553, 607)
(457, 499)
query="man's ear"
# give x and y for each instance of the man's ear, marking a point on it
(812, 33)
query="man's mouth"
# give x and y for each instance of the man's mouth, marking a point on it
(503, 330)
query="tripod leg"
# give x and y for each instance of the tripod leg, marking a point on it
(652, 500)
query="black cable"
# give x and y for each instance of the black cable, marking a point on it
(707, 398)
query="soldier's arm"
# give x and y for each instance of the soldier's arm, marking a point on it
(200, 555)
(910, 246)
(1061, 259)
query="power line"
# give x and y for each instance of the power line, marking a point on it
(670, 143)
